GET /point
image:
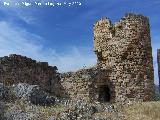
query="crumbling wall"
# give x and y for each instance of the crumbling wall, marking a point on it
(83, 84)
(125, 48)
(158, 60)
(17, 68)
(124, 66)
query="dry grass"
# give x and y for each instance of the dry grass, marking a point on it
(35, 112)
(143, 111)
(136, 111)
(108, 116)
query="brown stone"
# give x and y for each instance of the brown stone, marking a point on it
(20, 69)
(132, 36)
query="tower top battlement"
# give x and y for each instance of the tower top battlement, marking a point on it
(127, 16)
(129, 28)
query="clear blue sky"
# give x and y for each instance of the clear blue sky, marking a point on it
(63, 35)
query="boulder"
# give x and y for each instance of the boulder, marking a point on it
(33, 94)
(3, 92)
(23, 90)
(41, 98)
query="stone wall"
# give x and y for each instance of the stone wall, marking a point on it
(124, 68)
(158, 60)
(83, 84)
(125, 48)
(16, 68)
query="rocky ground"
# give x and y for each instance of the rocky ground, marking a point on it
(28, 102)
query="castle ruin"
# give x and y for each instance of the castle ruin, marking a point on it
(20, 69)
(125, 48)
(124, 69)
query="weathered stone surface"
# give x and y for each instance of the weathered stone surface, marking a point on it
(41, 98)
(124, 68)
(20, 69)
(125, 47)
(81, 85)
(3, 91)
(30, 93)
(24, 90)
(33, 94)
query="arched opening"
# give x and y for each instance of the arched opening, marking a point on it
(104, 94)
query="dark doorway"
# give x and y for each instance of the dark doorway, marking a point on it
(104, 93)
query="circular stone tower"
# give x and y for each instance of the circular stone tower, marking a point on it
(125, 49)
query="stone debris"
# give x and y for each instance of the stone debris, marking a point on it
(3, 92)
(74, 110)
(26, 92)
